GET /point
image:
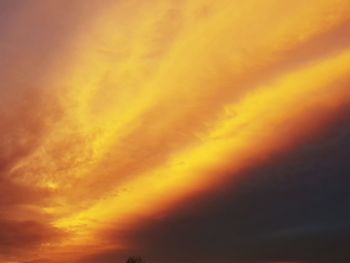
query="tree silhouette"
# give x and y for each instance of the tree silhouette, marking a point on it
(134, 260)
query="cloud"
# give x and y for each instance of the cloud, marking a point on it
(20, 237)
(289, 209)
(115, 113)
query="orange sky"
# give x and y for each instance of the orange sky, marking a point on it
(116, 111)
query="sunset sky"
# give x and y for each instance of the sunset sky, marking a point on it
(181, 131)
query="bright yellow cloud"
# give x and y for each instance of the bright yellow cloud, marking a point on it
(159, 99)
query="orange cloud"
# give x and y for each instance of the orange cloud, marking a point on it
(139, 106)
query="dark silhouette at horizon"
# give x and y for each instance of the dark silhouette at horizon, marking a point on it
(134, 260)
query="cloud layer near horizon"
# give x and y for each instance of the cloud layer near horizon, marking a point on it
(115, 114)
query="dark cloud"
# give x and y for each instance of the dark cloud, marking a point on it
(294, 208)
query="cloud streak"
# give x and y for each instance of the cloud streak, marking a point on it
(117, 112)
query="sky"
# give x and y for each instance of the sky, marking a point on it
(176, 130)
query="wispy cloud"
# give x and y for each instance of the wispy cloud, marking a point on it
(116, 112)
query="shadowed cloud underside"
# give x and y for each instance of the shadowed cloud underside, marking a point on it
(181, 131)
